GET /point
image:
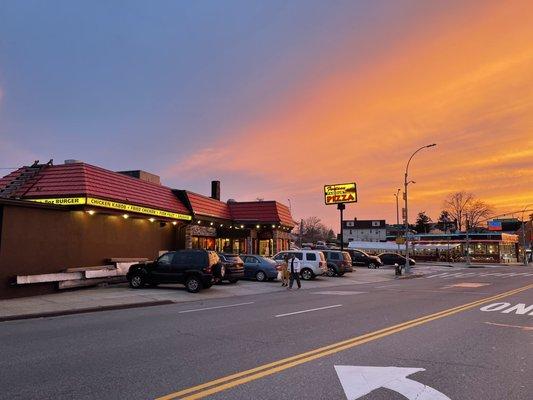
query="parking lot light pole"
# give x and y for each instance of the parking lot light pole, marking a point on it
(524, 234)
(405, 183)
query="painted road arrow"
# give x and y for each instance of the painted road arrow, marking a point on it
(360, 381)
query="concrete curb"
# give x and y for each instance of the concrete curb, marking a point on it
(86, 310)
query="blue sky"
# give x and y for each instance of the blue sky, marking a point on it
(275, 98)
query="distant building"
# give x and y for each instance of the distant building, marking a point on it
(364, 230)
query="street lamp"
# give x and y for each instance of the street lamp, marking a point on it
(397, 219)
(524, 233)
(405, 183)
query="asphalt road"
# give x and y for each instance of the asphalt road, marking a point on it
(146, 353)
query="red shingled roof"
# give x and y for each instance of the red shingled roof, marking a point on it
(206, 206)
(82, 179)
(261, 212)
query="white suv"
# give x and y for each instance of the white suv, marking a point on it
(313, 263)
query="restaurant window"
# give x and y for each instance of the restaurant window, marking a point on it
(223, 245)
(203, 242)
(239, 246)
(265, 247)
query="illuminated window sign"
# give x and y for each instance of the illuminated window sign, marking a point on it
(67, 201)
(74, 201)
(340, 193)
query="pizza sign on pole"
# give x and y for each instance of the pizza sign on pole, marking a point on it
(340, 193)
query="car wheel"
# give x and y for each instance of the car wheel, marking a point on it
(331, 271)
(307, 274)
(371, 265)
(233, 280)
(137, 281)
(193, 284)
(260, 276)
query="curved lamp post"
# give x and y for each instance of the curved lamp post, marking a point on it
(405, 183)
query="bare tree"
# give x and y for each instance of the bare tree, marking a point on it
(456, 204)
(477, 211)
(466, 209)
(313, 230)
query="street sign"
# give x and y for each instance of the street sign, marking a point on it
(360, 381)
(340, 193)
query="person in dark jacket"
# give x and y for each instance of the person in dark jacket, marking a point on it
(294, 268)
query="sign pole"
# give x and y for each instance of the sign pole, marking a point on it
(341, 207)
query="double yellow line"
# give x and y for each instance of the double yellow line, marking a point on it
(230, 381)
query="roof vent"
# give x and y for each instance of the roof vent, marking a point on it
(232, 201)
(72, 161)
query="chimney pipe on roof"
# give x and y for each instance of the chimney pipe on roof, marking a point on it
(215, 190)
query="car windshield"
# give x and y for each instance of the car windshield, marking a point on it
(268, 260)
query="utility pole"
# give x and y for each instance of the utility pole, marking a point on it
(467, 241)
(301, 231)
(405, 183)
(524, 234)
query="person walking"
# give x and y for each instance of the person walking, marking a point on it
(284, 270)
(294, 264)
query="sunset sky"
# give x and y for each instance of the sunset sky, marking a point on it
(278, 98)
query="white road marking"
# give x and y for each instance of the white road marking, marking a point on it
(457, 275)
(468, 285)
(306, 311)
(360, 381)
(338, 292)
(524, 328)
(214, 308)
(519, 309)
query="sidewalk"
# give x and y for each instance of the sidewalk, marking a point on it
(120, 296)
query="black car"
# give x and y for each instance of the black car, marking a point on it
(338, 262)
(233, 265)
(393, 258)
(196, 269)
(362, 259)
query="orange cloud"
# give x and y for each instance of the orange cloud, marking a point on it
(464, 81)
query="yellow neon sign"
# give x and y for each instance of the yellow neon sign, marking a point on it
(340, 193)
(63, 201)
(115, 205)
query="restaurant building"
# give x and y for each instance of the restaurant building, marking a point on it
(59, 217)
(483, 247)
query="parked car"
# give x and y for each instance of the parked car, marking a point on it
(313, 262)
(234, 266)
(259, 268)
(393, 258)
(338, 262)
(361, 258)
(196, 269)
